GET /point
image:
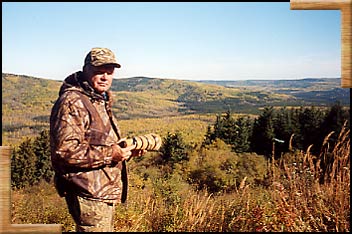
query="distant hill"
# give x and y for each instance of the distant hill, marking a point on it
(307, 83)
(309, 91)
(27, 101)
(238, 96)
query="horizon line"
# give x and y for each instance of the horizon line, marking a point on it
(185, 79)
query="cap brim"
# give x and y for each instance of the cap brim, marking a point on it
(98, 65)
(115, 64)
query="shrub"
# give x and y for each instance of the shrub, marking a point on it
(218, 169)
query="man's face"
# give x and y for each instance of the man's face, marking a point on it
(100, 78)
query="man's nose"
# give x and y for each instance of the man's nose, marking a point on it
(105, 75)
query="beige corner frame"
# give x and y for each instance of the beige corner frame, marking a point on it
(5, 202)
(345, 6)
(346, 82)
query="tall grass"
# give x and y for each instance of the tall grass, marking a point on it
(302, 192)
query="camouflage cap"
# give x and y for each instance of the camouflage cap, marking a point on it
(101, 56)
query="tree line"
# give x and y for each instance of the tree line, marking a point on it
(284, 129)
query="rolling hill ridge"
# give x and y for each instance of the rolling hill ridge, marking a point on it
(27, 101)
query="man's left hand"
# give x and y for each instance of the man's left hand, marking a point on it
(138, 152)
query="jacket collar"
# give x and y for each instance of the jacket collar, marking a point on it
(75, 82)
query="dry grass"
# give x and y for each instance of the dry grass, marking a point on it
(302, 193)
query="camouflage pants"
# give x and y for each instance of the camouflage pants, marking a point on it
(89, 215)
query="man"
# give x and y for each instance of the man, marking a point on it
(89, 164)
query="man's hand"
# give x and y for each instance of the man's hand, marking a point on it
(125, 153)
(120, 154)
(138, 153)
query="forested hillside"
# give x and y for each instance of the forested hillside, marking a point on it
(237, 96)
(27, 101)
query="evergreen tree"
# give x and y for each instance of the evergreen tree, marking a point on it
(209, 137)
(218, 126)
(23, 165)
(41, 147)
(283, 130)
(310, 120)
(174, 149)
(263, 133)
(294, 120)
(224, 128)
(230, 129)
(235, 132)
(240, 138)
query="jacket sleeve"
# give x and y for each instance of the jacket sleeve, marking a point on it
(69, 123)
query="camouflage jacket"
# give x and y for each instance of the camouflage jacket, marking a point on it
(82, 130)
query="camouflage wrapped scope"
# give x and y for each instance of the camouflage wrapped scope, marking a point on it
(151, 142)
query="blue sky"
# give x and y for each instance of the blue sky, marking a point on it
(175, 40)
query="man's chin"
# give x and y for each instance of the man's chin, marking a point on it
(101, 91)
